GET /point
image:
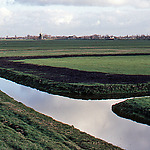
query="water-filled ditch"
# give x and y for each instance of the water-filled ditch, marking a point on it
(93, 117)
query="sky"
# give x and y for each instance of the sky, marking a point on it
(74, 17)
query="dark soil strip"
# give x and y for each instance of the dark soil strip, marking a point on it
(74, 76)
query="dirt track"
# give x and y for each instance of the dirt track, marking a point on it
(71, 75)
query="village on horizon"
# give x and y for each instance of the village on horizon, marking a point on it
(74, 37)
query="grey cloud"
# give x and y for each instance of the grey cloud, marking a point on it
(101, 3)
(65, 22)
(65, 2)
(54, 2)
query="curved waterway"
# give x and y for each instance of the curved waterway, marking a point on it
(93, 117)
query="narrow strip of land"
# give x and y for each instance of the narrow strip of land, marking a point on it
(137, 109)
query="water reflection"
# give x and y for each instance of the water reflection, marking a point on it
(93, 117)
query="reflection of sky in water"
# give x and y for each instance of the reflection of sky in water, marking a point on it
(93, 117)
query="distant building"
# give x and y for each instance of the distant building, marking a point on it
(41, 36)
(86, 37)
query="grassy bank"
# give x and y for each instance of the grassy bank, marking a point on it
(137, 109)
(23, 128)
(79, 91)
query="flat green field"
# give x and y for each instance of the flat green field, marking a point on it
(133, 65)
(61, 47)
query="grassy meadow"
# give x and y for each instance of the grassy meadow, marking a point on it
(62, 47)
(132, 65)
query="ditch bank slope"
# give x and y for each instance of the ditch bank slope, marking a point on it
(23, 128)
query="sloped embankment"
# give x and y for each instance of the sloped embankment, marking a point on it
(23, 128)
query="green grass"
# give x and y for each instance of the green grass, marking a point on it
(61, 47)
(23, 128)
(133, 65)
(137, 109)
